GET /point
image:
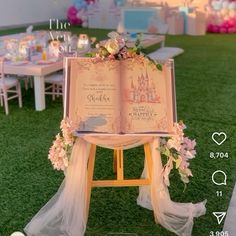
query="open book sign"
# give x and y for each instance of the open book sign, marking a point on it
(127, 96)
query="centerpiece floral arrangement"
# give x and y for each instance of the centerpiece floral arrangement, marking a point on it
(115, 48)
(177, 149)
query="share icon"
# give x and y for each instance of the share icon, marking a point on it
(219, 216)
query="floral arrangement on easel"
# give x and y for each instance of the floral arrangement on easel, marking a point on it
(178, 150)
(115, 48)
(60, 151)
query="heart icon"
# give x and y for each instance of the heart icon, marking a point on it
(219, 137)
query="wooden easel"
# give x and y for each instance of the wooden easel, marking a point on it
(118, 168)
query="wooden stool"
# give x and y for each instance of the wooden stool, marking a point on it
(118, 168)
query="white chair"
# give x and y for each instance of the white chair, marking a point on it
(7, 85)
(28, 82)
(55, 86)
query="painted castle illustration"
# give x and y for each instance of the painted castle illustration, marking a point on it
(143, 91)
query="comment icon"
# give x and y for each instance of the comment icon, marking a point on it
(219, 178)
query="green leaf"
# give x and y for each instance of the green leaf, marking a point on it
(90, 54)
(175, 155)
(185, 186)
(159, 66)
(137, 42)
(177, 163)
(161, 149)
(166, 152)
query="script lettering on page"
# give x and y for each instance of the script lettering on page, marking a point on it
(95, 95)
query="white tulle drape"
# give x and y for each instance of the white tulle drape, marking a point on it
(65, 213)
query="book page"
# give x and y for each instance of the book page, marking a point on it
(95, 95)
(146, 99)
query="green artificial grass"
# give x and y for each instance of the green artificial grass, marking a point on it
(206, 101)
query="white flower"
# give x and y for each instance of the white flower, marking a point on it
(113, 35)
(112, 46)
(174, 143)
(66, 162)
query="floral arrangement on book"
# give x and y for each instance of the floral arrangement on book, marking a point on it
(178, 150)
(115, 48)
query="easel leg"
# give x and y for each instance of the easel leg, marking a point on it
(118, 168)
(120, 164)
(91, 162)
(148, 159)
(115, 161)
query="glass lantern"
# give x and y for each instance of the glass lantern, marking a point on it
(83, 44)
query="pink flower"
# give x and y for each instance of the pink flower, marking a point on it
(55, 154)
(179, 149)
(111, 57)
(193, 152)
(162, 141)
(58, 153)
(189, 144)
(67, 129)
(178, 128)
(184, 164)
